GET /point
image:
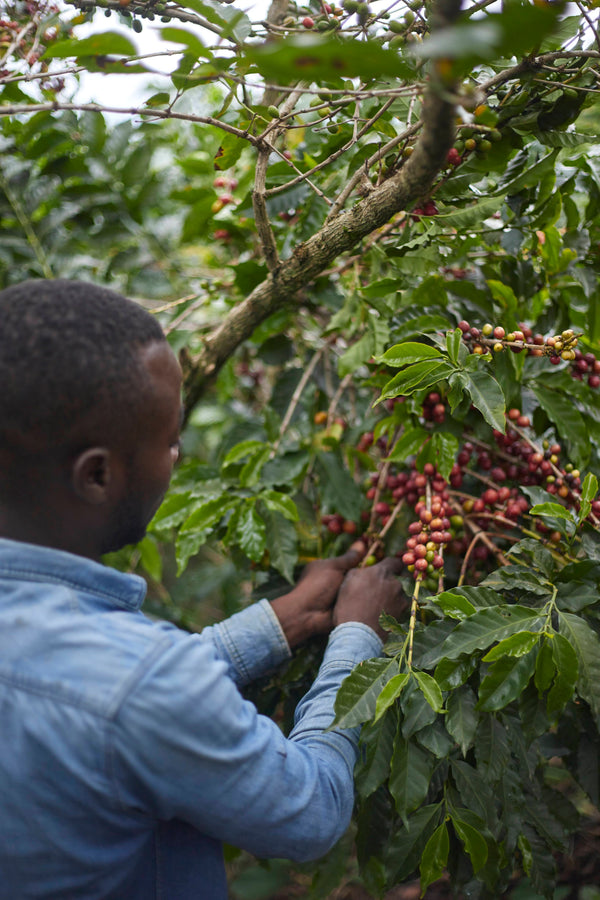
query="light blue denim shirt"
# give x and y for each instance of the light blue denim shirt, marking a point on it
(127, 753)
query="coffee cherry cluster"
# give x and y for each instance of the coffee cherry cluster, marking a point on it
(557, 348)
(433, 408)
(461, 528)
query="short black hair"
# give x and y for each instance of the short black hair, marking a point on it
(69, 363)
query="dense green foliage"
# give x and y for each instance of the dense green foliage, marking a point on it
(404, 373)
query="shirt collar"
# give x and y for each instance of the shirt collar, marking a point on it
(31, 562)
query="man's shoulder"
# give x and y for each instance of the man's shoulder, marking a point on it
(73, 645)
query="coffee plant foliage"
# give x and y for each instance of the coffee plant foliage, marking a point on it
(371, 233)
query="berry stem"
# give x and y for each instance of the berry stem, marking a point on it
(413, 618)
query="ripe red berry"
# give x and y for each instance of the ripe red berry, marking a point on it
(594, 381)
(308, 22)
(499, 332)
(421, 565)
(453, 157)
(464, 326)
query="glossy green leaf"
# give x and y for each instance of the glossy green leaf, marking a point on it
(488, 397)
(415, 377)
(505, 681)
(586, 644)
(430, 690)
(411, 772)
(280, 503)
(515, 645)
(435, 857)
(407, 843)
(472, 840)
(315, 57)
(569, 422)
(410, 443)
(589, 489)
(567, 672)
(374, 765)
(106, 44)
(408, 353)
(486, 626)
(247, 527)
(544, 666)
(356, 700)
(454, 605)
(390, 693)
(463, 718)
(282, 543)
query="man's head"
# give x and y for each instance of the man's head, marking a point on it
(89, 415)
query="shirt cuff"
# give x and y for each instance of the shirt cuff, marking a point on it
(253, 642)
(351, 643)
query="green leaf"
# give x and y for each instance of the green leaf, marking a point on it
(320, 58)
(189, 39)
(172, 511)
(239, 451)
(515, 645)
(374, 765)
(507, 678)
(568, 421)
(473, 842)
(208, 514)
(415, 377)
(555, 511)
(356, 700)
(108, 44)
(406, 844)
(150, 558)
(247, 528)
(430, 690)
(280, 503)
(567, 672)
(486, 626)
(492, 749)
(408, 353)
(440, 450)
(586, 645)
(453, 344)
(451, 673)
(589, 489)
(411, 772)
(410, 443)
(544, 666)
(250, 472)
(390, 693)
(435, 857)
(454, 605)
(339, 490)
(487, 395)
(356, 354)
(462, 718)
(282, 543)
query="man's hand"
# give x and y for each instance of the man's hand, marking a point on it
(307, 609)
(366, 593)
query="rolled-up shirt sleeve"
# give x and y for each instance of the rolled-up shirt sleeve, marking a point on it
(185, 744)
(251, 642)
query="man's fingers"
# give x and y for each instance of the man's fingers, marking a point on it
(392, 565)
(352, 557)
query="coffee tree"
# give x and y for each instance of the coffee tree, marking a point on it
(371, 233)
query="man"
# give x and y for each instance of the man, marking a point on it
(127, 753)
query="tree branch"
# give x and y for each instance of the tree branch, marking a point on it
(338, 234)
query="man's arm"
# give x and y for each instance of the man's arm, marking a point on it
(186, 745)
(259, 638)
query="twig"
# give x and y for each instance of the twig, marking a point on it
(296, 397)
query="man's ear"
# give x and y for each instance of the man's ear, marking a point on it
(91, 475)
